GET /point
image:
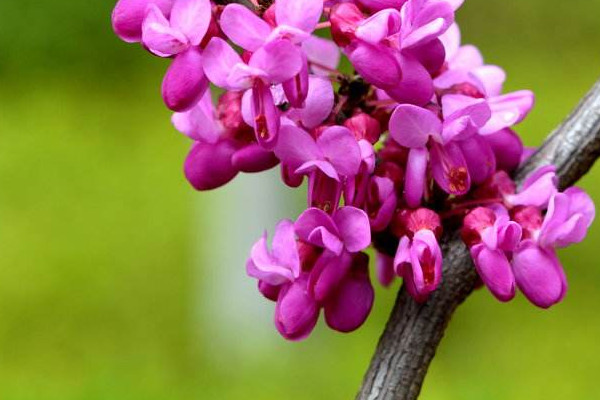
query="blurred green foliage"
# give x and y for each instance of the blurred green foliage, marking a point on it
(105, 291)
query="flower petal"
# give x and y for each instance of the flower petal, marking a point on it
(303, 14)
(296, 313)
(412, 126)
(184, 83)
(354, 229)
(341, 149)
(192, 18)
(244, 27)
(295, 146)
(416, 174)
(495, 271)
(208, 166)
(159, 37)
(280, 60)
(128, 16)
(219, 59)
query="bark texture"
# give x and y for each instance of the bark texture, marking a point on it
(414, 331)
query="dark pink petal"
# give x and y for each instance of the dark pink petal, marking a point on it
(199, 123)
(402, 259)
(316, 166)
(296, 88)
(267, 120)
(280, 60)
(412, 126)
(296, 313)
(244, 27)
(184, 83)
(219, 59)
(192, 18)
(431, 55)
(450, 169)
(303, 15)
(379, 26)
(158, 35)
(385, 269)
(128, 15)
(539, 274)
(353, 226)
(208, 166)
(377, 5)
(507, 148)
(295, 147)
(350, 306)
(340, 148)
(253, 158)
(495, 271)
(385, 201)
(269, 291)
(375, 63)
(416, 85)
(508, 110)
(480, 158)
(328, 272)
(416, 173)
(509, 234)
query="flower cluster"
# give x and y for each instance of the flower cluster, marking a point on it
(418, 139)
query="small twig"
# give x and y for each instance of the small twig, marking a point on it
(414, 331)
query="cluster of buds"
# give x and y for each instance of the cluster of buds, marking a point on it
(419, 138)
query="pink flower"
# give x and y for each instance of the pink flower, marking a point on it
(128, 16)
(273, 63)
(180, 37)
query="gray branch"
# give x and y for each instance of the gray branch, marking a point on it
(414, 331)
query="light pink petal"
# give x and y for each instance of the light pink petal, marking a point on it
(244, 27)
(264, 267)
(568, 218)
(318, 104)
(379, 26)
(199, 123)
(428, 23)
(509, 235)
(280, 60)
(314, 166)
(458, 105)
(539, 275)
(321, 53)
(353, 225)
(340, 148)
(466, 58)
(159, 37)
(537, 190)
(128, 16)
(416, 173)
(208, 166)
(508, 110)
(218, 60)
(312, 219)
(192, 18)
(184, 83)
(295, 146)
(492, 78)
(285, 250)
(412, 126)
(495, 271)
(451, 41)
(303, 14)
(348, 309)
(377, 5)
(296, 313)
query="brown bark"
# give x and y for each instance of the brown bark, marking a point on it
(414, 331)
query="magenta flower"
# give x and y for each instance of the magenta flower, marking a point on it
(419, 257)
(347, 230)
(537, 190)
(180, 37)
(128, 16)
(273, 63)
(436, 143)
(329, 160)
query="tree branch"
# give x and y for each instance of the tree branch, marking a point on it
(414, 330)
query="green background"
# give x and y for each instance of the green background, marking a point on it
(117, 281)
